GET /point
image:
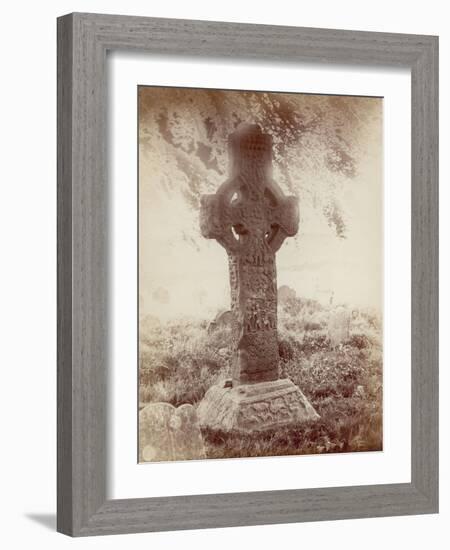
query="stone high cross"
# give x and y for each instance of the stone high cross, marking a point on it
(251, 217)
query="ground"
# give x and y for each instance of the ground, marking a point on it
(180, 360)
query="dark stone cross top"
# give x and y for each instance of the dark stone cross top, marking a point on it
(250, 217)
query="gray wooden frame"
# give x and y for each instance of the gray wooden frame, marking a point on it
(83, 40)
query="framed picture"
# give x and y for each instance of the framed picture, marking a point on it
(247, 274)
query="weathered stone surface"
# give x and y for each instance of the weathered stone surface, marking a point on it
(285, 293)
(254, 406)
(169, 433)
(251, 217)
(338, 326)
(224, 319)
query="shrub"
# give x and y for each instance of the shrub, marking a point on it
(359, 341)
(286, 350)
(314, 343)
(180, 361)
(311, 325)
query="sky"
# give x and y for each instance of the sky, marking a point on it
(183, 274)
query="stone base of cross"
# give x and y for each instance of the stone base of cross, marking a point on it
(254, 407)
(250, 217)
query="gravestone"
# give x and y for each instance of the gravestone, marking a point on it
(223, 319)
(169, 433)
(251, 217)
(338, 326)
(285, 294)
(357, 322)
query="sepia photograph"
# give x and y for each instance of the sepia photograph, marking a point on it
(260, 277)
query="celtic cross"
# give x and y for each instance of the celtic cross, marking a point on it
(251, 217)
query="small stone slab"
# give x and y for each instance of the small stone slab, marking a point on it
(254, 406)
(338, 326)
(169, 433)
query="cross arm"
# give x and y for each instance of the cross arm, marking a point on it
(285, 217)
(216, 220)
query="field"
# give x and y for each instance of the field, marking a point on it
(180, 360)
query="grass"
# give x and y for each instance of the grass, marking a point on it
(179, 361)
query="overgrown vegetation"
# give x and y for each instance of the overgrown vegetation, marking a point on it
(179, 361)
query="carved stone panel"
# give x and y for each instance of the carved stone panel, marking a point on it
(255, 407)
